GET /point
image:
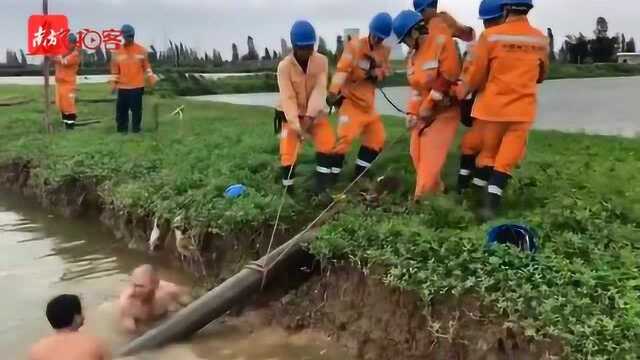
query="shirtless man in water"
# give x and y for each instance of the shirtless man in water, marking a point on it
(65, 316)
(148, 299)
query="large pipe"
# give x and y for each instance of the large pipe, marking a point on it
(218, 301)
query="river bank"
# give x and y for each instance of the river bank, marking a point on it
(381, 264)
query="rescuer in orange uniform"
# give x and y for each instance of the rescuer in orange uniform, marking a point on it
(302, 80)
(517, 57)
(129, 66)
(362, 65)
(66, 72)
(491, 13)
(433, 67)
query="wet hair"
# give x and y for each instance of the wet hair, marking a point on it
(62, 310)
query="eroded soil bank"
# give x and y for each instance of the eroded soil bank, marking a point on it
(357, 310)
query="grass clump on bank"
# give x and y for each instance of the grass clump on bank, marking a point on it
(577, 191)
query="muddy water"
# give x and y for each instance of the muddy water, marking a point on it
(42, 255)
(606, 106)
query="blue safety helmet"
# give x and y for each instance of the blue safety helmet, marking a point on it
(235, 191)
(491, 9)
(72, 38)
(381, 25)
(128, 32)
(524, 3)
(520, 236)
(303, 34)
(404, 22)
(420, 5)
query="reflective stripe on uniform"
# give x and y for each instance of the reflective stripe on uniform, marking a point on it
(287, 182)
(480, 182)
(139, 56)
(323, 170)
(343, 119)
(465, 172)
(518, 38)
(339, 78)
(364, 64)
(363, 163)
(436, 95)
(415, 96)
(429, 65)
(347, 55)
(494, 190)
(336, 170)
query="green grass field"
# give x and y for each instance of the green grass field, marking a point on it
(579, 192)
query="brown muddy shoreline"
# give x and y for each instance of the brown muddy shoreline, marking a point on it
(371, 320)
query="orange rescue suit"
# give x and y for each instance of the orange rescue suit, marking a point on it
(304, 94)
(434, 61)
(129, 66)
(66, 71)
(359, 62)
(509, 61)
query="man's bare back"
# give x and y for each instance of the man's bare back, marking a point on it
(64, 313)
(148, 299)
(69, 346)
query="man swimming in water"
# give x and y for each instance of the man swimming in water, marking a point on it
(148, 299)
(64, 313)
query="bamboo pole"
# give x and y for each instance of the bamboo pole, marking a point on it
(45, 70)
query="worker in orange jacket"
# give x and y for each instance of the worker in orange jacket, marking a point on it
(129, 66)
(363, 64)
(433, 67)
(66, 71)
(491, 13)
(301, 113)
(517, 57)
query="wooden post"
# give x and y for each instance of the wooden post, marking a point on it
(45, 70)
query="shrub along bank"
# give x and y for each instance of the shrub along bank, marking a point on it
(576, 190)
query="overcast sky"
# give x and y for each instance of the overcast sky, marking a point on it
(207, 24)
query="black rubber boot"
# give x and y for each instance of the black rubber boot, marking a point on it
(494, 194)
(288, 177)
(69, 121)
(324, 164)
(465, 174)
(481, 177)
(366, 157)
(336, 169)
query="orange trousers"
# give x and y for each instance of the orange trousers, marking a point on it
(353, 122)
(322, 136)
(429, 151)
(503, 144)
(66, 98)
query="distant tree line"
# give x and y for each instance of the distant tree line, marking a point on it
(578, 49)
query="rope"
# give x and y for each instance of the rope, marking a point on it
(267, 267)
(275, 225)
(386, 97)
